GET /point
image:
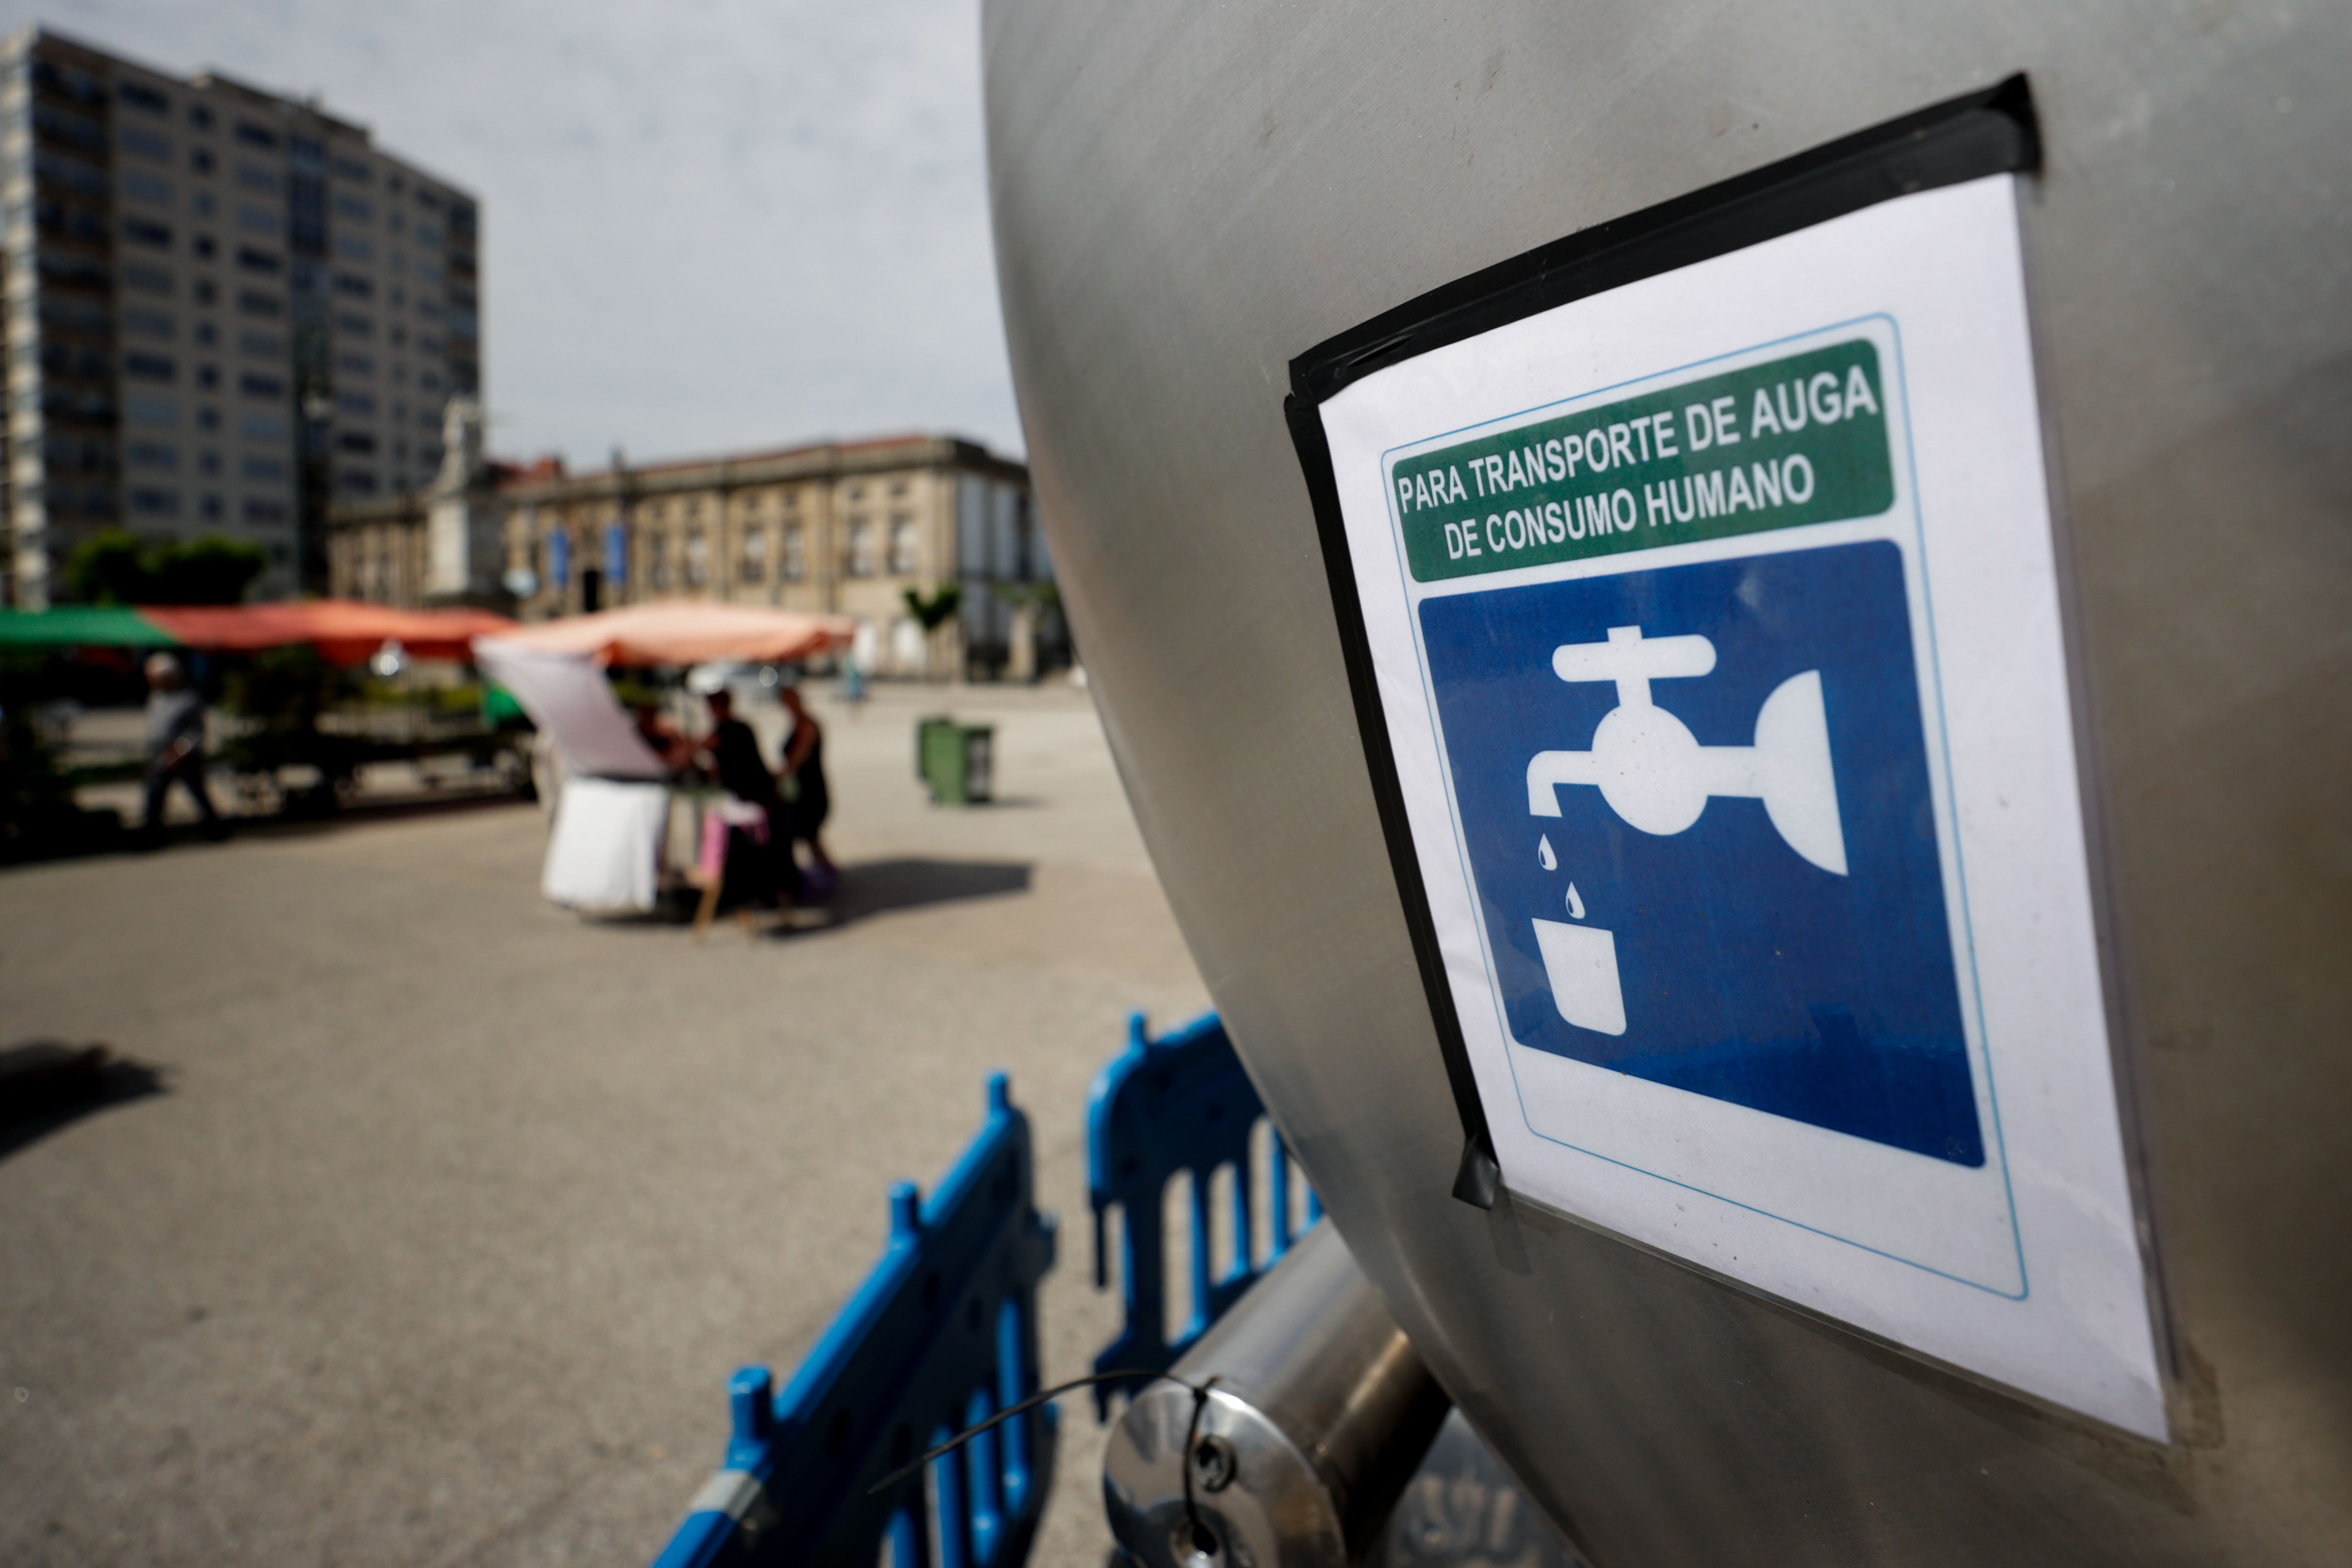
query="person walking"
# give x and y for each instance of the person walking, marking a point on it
(175, 746)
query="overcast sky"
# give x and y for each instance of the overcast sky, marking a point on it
(708, 225)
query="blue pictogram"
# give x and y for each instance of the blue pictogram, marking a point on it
(1696, 805)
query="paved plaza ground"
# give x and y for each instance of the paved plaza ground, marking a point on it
(452, 1211)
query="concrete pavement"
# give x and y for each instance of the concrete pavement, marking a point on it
(454, 1210)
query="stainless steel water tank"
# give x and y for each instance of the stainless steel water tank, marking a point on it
(1189, 197)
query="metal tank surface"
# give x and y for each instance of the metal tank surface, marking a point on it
(1187, 198)
(1313, 1413)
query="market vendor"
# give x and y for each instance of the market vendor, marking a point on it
(733, 752)
(811, 800)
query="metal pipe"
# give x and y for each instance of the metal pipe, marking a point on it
(1316, 1412)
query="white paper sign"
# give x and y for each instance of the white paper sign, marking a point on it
(1716, 624)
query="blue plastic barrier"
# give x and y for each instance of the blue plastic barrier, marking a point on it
(1180, 1102)
(941, 1336)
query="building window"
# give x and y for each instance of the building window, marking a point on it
(254, 260)
(357, 288)
(153, 455)
(254, 304)
(139, 95)
(860, 560)
(260, 220)
(356, 441)
(254, 135)
(154, 503)
(354, 364)
(155, 324)
(253, 384)
(146, 144)
(152, 189)
(262, 345)
(359, 404)
(260, 511)
(902, 546)
(144, 231)
(265, 470)
(657, 559)
(355, 482)
(698, 558)
(755, 555)
(147, 280)
(795, 555)
(200, 160)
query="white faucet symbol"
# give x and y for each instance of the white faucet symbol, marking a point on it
(1656, 776)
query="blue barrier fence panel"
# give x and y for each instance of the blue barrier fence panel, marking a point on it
(1178, 1104)
(942, 1334)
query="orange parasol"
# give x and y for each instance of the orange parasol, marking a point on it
(345, 630)
(688, 632)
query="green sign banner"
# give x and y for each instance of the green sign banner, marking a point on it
(1775, 445)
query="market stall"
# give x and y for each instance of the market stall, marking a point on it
(285, 750)
(606, 851)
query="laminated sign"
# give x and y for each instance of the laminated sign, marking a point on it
(1702, 603)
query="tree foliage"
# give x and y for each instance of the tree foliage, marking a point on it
(118, 567)
(938, 610)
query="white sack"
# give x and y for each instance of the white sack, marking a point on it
(605, 854)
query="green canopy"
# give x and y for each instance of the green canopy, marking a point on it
(82, 626)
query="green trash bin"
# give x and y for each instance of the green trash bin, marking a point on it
(957, 761)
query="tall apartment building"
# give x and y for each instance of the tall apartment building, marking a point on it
(224, 311)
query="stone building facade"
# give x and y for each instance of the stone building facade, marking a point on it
(842, 528)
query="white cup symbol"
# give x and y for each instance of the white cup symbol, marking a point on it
(1582, 964)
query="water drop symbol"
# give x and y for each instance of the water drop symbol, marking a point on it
(1575, 904)
(1544, 857)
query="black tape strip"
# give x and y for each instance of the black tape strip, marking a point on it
(1992, 131)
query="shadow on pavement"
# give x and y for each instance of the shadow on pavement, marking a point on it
(877, 887)
(367, 810)
(867, 888)
(46, 1084)
(78, 841)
